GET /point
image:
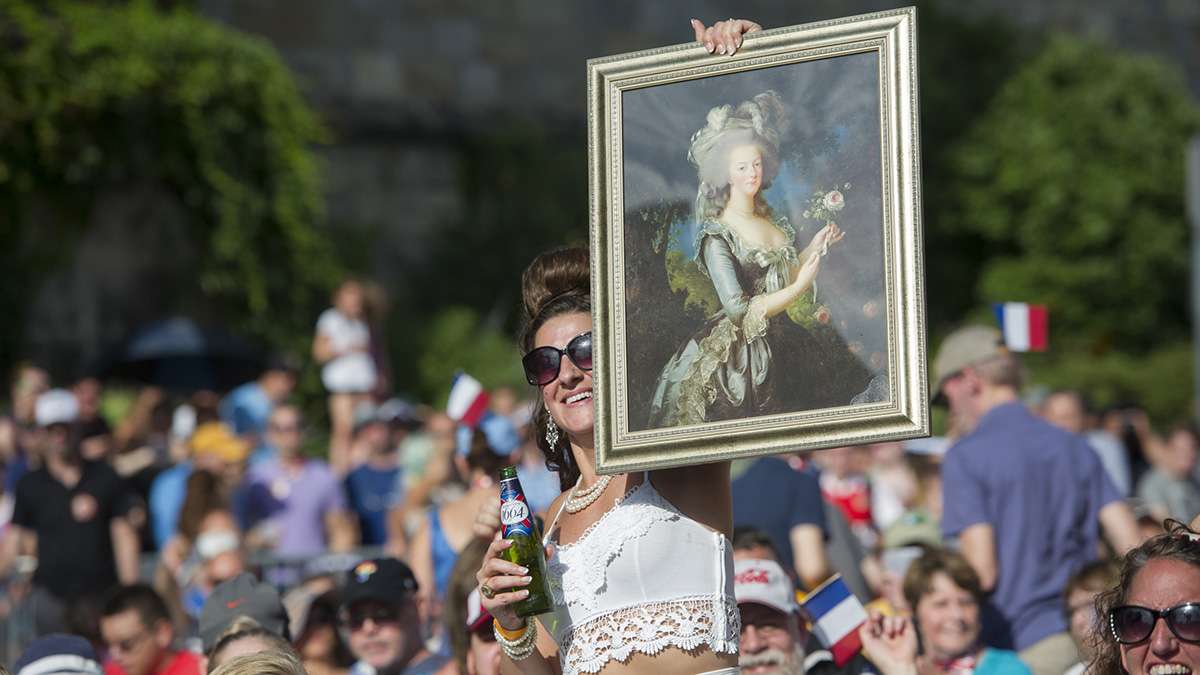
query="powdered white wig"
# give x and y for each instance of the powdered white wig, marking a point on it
(761, 121)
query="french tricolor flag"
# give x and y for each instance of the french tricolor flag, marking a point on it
(1025, 327)
(468, 400)
(836, 615)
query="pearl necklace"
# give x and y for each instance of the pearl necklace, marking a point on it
(579, 502)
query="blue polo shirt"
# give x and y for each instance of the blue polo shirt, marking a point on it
(1041, 489)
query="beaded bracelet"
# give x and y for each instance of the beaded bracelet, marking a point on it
(520, 648)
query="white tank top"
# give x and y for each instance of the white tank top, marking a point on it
(642, 578)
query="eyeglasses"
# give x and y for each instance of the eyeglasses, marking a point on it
(1131, 624)
(354, 620)
(542, 364)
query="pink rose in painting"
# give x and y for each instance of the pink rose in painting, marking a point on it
(822, 314)
(856, 347)
(871, 309)
(834, 201)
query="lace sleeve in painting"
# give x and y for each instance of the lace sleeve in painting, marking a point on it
(754, 326)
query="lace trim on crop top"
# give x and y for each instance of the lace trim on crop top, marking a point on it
(675, 586)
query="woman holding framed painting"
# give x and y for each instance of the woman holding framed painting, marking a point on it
(641, 571)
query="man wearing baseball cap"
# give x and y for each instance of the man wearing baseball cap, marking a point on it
(773, 630)
(241, 596)
(382, 619)
(73, 515)
(1010, 479)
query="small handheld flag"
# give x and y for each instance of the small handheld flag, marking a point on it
(468, 400)
(1025, 327)
(836, 616)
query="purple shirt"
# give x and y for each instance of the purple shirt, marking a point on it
(294, 506)
(1041, 490)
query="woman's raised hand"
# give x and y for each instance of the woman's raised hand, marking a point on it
(487, 521)
(825, 237)
(723, 37)
(890, 642)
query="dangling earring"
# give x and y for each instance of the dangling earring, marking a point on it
(551, 431)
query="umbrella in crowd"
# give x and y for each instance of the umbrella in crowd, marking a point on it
(179, 354)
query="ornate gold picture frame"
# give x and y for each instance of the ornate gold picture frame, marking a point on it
(757, 262)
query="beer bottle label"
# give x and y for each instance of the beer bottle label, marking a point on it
(514, 513)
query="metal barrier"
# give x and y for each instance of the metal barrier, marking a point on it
(17, 627)
(283, 572)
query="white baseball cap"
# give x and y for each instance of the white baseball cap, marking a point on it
(764, 582)
(57, 406)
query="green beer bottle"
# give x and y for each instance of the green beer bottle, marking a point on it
(516, 524)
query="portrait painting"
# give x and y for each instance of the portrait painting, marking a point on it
(755, 240)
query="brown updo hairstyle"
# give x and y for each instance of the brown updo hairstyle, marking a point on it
(557, 282)
(1176, 544)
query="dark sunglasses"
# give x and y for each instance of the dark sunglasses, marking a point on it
(1131, 624)
(378, 615)
(542, 364)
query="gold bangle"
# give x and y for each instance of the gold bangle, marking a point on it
(509, 635)
(521, 648)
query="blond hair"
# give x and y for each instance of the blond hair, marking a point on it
(263, 663)
(243, 628)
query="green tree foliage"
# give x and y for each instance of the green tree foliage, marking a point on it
(456, 340)
(96, 97)
(1073, 177)
(1160, 382)
(963, 63)
(684, 276)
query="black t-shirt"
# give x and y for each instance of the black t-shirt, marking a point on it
(74, 541)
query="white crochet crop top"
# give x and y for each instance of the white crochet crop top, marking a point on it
(642, 578)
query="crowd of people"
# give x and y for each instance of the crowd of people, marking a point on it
(190, 528)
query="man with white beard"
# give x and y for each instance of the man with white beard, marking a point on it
(773, 631)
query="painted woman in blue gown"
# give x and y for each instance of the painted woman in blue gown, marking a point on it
(749, 358)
